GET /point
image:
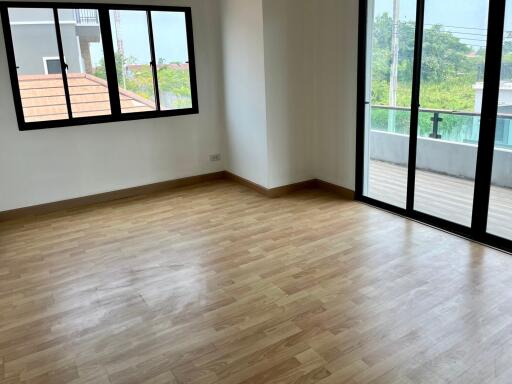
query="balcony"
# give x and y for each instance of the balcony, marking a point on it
(446, 164)
(87, 25)
(87, 17)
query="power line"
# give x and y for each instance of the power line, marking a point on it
(454, 26)
(464, 38)
(466, 33)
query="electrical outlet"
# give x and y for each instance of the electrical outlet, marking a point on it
(215, 157)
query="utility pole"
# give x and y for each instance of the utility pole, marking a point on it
(393, 81)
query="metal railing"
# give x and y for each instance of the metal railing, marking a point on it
(87, 17)
(506, 72)
(439, 124)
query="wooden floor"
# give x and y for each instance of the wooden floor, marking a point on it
(439, 195)
(217, 284)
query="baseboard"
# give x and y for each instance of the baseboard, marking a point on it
(286, 189)
(108, 196)
(271, 192)
(247, 183)
(341, 191)
(171, 184)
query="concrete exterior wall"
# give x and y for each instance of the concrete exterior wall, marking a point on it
(30, 61)
(23, 15)
(454, 159)
(71, 47)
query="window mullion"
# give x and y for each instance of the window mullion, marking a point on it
(13, 68)
(191, 59)
(63, 64)
(110, 62)
(154, 64)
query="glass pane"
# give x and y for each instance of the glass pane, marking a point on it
(37, 59)
(133, 57)
(83, 53)
(453, 62)
(500, 204)
(171, 52)
(390, 50)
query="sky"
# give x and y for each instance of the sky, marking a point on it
(169, 31)
(169, 34)
(467, 19)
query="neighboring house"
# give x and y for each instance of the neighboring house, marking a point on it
(79, 28)
(39, 70)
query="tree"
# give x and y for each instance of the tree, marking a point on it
(446, 64)
(450, 68)
(121, 63)
(444, 55)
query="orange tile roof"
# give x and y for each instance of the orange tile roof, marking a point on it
(43, 98)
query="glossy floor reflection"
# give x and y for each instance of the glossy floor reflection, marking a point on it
(218, 284)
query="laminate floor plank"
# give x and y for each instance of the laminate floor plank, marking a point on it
(216, 284)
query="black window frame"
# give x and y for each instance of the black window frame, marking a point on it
(110, 66)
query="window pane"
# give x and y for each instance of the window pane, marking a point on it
(37, 60)
(171, 51)
(449, 121)
(53, 66)
(83, 53)
(133, 57)
(390, 59)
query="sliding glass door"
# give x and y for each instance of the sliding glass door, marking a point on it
(452, 68)
(500, 202)
(435, 117)
(390, 35)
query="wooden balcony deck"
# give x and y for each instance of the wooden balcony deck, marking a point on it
(439, 195)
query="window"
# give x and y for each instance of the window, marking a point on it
(133, 60)
(172, 59)
(74, 64)
(52, 66)
(83, 54)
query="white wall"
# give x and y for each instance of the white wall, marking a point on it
(289, 74)
(336, 91)
(304, 73)
(56, 164)
(277, 82)
(269, 78)
(244, 87)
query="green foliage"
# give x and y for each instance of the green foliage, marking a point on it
(140, 80)
(121, 62)
(381, 58)
(444, 55)
(175, 80)
(450, 68)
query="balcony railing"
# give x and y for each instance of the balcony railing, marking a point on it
(87, 17)
(453, 126)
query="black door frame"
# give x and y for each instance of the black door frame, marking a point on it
(478, 229)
